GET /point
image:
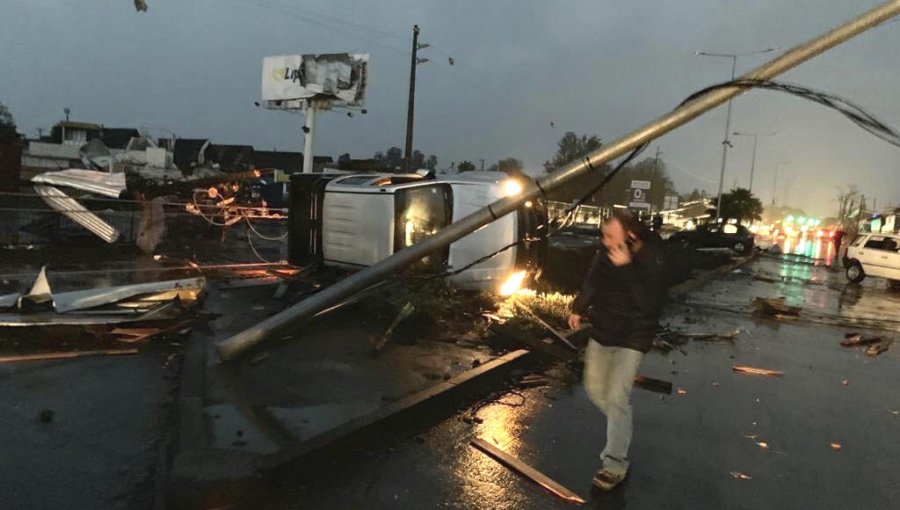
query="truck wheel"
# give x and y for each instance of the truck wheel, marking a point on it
(855, 272)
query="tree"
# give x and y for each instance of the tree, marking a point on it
(465, 166)
(846, 206)
(510, 166)
(740, 204)
(570, 148)
(394, 159)
(7, 125)
(694, 195)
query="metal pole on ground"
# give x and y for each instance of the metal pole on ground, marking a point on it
(251, 337)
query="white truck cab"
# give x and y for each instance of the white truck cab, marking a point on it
(874, 254)
(357, 220)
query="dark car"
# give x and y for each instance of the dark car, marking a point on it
(736, 237)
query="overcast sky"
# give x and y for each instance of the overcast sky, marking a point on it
(590, 66)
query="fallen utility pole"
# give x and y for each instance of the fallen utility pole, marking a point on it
(593, 162)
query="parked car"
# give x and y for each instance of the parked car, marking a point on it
(874, 255)
(736, 237)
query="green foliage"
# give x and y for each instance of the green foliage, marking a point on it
(510, 166)
(465, 166)
(570, 148)
(740, 204)
(7, 124)
(393, 158)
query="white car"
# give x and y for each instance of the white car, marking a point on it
(874, 255)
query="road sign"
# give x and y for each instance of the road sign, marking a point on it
(639, 195)
(640, 184)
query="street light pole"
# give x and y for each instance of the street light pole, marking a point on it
(726, 143)
(775, 181)
(753, 159)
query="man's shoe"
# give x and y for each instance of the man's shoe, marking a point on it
(606, 480)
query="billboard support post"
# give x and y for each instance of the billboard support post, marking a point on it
(309, 130)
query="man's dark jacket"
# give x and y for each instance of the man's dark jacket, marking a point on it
(624, 303)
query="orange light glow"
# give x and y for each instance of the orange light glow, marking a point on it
(513, 283)
(212, 192)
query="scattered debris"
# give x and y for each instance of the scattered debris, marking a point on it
(774, 307)
(737, 475)
(533, 380)
(712, 337)
(404, 313)
(855, 339)
(715, 384)
(876, 349)
(45, 416)
(836, 446)
(846, 382)
(757, 371)
(651, 384)
(66, 355)
(547, 347)
(55, 198)
(259, 357)
(546, 326)
(527, 471)
(762, 444)
(681, 391)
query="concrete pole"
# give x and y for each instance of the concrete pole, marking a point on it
(725, 144)
(255, 335)
(309, 132)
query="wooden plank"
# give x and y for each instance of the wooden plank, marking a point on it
(519, 335)
(546, 326)
(527, 471)
(757, 371)
(651, 384)
(44, 356)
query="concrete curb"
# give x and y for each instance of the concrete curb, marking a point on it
(199, 472)
(683, 288)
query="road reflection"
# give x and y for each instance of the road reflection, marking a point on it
(820, 249)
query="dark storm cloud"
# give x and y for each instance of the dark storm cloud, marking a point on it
(599, 67)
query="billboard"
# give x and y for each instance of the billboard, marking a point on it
(336, 78)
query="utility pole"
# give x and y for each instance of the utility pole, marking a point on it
(775, 181)
(656, 161)
(482, 164)
(410, 109)
(726, 143)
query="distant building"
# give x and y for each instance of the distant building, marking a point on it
(230, 158)
(289, 162)
(189, 152)
(74, 133)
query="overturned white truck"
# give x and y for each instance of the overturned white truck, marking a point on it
(356, 220)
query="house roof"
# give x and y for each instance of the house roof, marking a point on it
(291, 162)
(71, 124)
(230, 156)
(118, 138)
(187, 151)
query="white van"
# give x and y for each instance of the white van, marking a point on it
(357, 220)
(874, 255)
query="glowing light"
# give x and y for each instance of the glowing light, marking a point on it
(511, 187)
(801, 220)
(212, 192)
(512, 283)
(409, 230)
(528, 204)
(789, 219)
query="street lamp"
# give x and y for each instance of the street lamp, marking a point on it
(753, 160)
(726, 143)
(775, 182)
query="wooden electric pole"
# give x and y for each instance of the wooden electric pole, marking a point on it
(410, 110)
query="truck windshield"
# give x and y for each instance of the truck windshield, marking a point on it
(420, 212)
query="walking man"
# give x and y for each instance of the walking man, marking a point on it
(622, 296)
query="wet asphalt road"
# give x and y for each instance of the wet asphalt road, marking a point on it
(686, 446)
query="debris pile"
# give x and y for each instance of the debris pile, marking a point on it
(874, 345)
(100, 319)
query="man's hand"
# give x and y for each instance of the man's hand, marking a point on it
(574, 321)
(619, 255)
